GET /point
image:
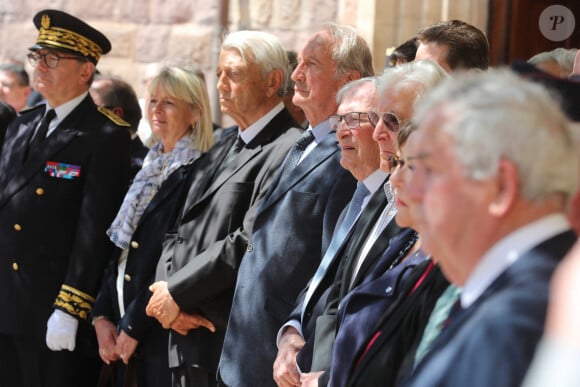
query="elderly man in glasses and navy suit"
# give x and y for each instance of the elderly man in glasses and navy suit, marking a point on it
(64, 168)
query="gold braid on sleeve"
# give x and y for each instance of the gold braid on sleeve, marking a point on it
(74, 302)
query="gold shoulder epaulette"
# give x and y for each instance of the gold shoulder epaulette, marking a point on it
(74, 302)
(113, 117)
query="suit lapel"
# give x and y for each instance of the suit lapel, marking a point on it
(535, 259)
(209, 164)
(378, 248)
(172, 183)
(350, 243)
(363, 228)
(319, 155)
(241, 159)
(266, 135)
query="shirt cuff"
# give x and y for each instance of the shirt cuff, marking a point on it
(292, 323)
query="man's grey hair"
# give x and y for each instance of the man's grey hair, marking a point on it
(563, 57)
(261, 48)
(344, 90)
(497, 115)
(421, 75)
(350, 51)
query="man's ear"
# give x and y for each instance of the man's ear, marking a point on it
(87, 70)
(352, 75)
(274, 81)
(118, 110)
(506, 189)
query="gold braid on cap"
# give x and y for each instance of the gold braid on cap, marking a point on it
(67, 39)
(74, 302)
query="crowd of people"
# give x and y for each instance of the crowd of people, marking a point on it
(413, 228)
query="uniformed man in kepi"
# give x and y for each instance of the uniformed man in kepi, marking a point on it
(64, 168)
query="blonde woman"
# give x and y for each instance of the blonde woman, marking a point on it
(180, 118)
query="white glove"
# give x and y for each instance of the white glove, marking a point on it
(61, 331)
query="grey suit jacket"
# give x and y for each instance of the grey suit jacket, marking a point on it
(201, 257)
(293, 228)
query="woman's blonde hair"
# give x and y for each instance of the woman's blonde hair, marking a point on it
(185, 85)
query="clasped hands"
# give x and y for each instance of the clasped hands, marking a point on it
(285, 369)
(113, 347)
(163, 307)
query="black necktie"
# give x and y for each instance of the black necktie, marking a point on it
(237, 146)
(41, 132)
(296, 152)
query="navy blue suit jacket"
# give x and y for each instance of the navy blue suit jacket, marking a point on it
(143, 254)
(492, 342)
(318, 326)
(293, 228)
(362, 308)
(401, 325)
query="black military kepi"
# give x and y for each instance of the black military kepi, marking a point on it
(63, 32)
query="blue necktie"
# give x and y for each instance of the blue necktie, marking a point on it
(352, 213)
(296, 152)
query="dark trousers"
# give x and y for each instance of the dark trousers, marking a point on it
(27, 362)
(188, 376)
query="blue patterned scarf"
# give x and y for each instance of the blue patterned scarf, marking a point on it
(157, 166)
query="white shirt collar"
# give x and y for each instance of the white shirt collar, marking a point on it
(507, 251)
(375, 180)
(253, 130)
(321, 130)
(64, 110)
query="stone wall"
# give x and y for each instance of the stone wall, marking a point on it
(189, 31)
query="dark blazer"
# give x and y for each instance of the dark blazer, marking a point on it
(492, 342)
(54, 210)
(400, 325)
(314, 318)
(138, 153)
(326, 323)
(362, 307)
(202, 256)
(293, 228)
(143, 254)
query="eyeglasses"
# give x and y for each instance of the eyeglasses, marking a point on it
(352, 120)
(390, 120)
(50, 60)
(394, 162)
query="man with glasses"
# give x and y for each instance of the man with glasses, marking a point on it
(365, 254)
(297, 341)
(64, 168)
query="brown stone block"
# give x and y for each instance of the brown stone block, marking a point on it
(190, 44)
(171, 11)
(152, 43)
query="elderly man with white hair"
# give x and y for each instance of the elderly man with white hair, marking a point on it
(496, 166)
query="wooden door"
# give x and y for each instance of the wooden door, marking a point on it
(519, 29)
